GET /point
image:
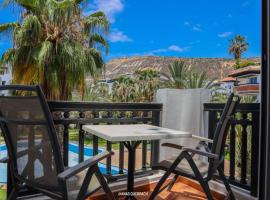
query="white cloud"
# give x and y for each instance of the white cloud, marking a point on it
(171, 48)
(118, 36)
(175, 48)
(109, 7)
(186, 24)
(224, 35)
(194, 27)
(197, 27)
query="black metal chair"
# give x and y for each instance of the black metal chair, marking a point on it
(34, 153)
(190, 166)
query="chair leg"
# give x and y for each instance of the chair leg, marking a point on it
(199, 177)
(158, 186)
(104, 184)
(12, 195)
(170, 186)
(226, 183)
(15, 189)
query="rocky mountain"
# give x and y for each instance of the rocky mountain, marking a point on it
(216, 68)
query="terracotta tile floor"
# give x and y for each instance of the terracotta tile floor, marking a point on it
(180, 191)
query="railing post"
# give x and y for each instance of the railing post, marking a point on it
(144, 154)
(121, 158)
(66, 140)
(95, 138)
(244, 150)
(255, 152)
(81, 140)
(155, 148)
(109, 159)
(232, 152)
(212, 124)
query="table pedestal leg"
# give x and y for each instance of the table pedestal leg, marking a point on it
(131, 167)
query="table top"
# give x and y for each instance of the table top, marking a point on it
(134, 132)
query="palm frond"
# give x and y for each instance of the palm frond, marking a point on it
(96, 20)
(8, 26)
(97, 38)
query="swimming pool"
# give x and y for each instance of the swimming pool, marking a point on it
(73, 160)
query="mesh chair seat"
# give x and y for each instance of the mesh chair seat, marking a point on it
(74, 185)
(183, 167)
(35, 152)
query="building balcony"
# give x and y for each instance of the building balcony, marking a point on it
(247, 89)
(240, 166)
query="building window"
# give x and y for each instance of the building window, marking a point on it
(253, 80)
(3, 82)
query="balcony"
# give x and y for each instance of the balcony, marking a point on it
(241, 163)
(247, 89)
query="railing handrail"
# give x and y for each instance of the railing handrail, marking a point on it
(248, 107)
(83, 105)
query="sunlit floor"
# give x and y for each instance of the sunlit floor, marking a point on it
(182, 190)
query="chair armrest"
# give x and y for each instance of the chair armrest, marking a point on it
(202, 138)
(202, 153)
(171, 145)
(4, 160)
(83, 165)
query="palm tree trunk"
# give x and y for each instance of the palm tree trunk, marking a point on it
(64, 92)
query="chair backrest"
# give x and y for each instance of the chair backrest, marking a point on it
(30, 136)
(223, 124)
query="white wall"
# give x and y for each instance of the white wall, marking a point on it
(183, 110)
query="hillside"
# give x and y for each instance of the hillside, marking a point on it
(216, 68)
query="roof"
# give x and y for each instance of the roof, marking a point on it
(228, 79)
(246, 71)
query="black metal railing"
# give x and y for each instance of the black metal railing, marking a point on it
(77, 114)
(71, 116)
(241, 154)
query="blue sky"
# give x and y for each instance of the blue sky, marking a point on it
(198, 28)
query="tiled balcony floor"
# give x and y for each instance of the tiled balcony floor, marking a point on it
(182, 190)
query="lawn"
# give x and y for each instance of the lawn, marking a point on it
(2, 194)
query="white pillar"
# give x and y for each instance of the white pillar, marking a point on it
(183, 110)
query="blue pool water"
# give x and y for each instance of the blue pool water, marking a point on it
(73, 160)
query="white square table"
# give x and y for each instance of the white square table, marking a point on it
(131, 136)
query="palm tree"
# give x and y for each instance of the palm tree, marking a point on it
(238, 46)
(56, 45)
(98, 92)
(182, 77)
(123, 89)
(198, 80)
(147, 83)
(178, 72)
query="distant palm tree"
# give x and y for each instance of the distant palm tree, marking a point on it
(147, 83)
(198, 80)
(98, 92)
(238, 46)
(56, 45)
(178, 72)
(123, 89)
(182, 77)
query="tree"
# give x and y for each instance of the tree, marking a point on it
(123, 89)
(198, 80)
(182, 77)
(178, 72)
(56, 46)
(97, 92)
(238, 46)
(147, 82)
